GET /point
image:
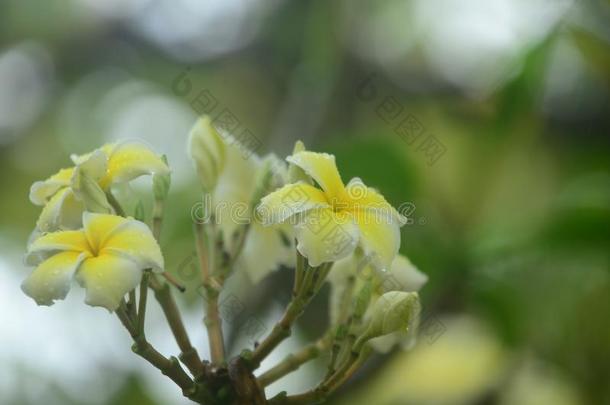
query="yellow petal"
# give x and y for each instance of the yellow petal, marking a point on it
(99, 227)
(362, 197)
(107, 149)
(133, 240)
(326, 236)
(42, 191)
(51, 280)
(379, 237)
(323, 169)
(63, 211)
(73, 241)
(107, 278)
(288, 201)
(130, 160)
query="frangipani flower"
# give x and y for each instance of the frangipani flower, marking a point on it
(106, 257)
(62, 194)
(334, 219)
(231, 178)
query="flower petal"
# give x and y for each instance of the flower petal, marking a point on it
(379, 237)
(235, 187)
(51, 280)
(99, 227)
(326, 236)
(362, 197)
(207, 150)
(133, 240)
(323, 169)
(288, 201)
(73, 241)
(405, 276)
(107, 278)
(131, 160)
(63, 211)
(264, 251)
(42, 191)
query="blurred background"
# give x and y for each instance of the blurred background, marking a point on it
(490, 119)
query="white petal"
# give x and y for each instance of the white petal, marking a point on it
(51, 280)
(107, 278)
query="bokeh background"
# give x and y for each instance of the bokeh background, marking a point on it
(505, 163)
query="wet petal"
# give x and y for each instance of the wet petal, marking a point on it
(323, 169)
(51, 280)
(133, 240)
(325, 236)
(63, 211)
(42, 191)
(107, 278)
(131, 160)
(74, 241)
(379, 237)
(362, 197)
(99, 227)
(288, 201)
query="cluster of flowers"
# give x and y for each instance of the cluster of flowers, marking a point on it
(301, 215)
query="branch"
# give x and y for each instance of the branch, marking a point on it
(188, 353)
(212, 288)
(169, 367)
(311, 285)
(292, 362)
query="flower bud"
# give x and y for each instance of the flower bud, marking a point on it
(207, 150)
(394, 311)
(161, 183)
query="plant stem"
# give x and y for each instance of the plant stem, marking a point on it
(188, 353)
(328, 386)
(212, 288)
(143, 300)
(296, 307)
(164, 297)
(115, 204)
(169, 367)
(292, 362)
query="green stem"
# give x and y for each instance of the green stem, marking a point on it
(169, 367)
(143, 299)
(115, 204)
(292, 362)
(212, 288)
(328, 386)
(312, 281)
(188, 353)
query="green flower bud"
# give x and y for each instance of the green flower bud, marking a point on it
(207, 150)
(394, 311)
(161, 183)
